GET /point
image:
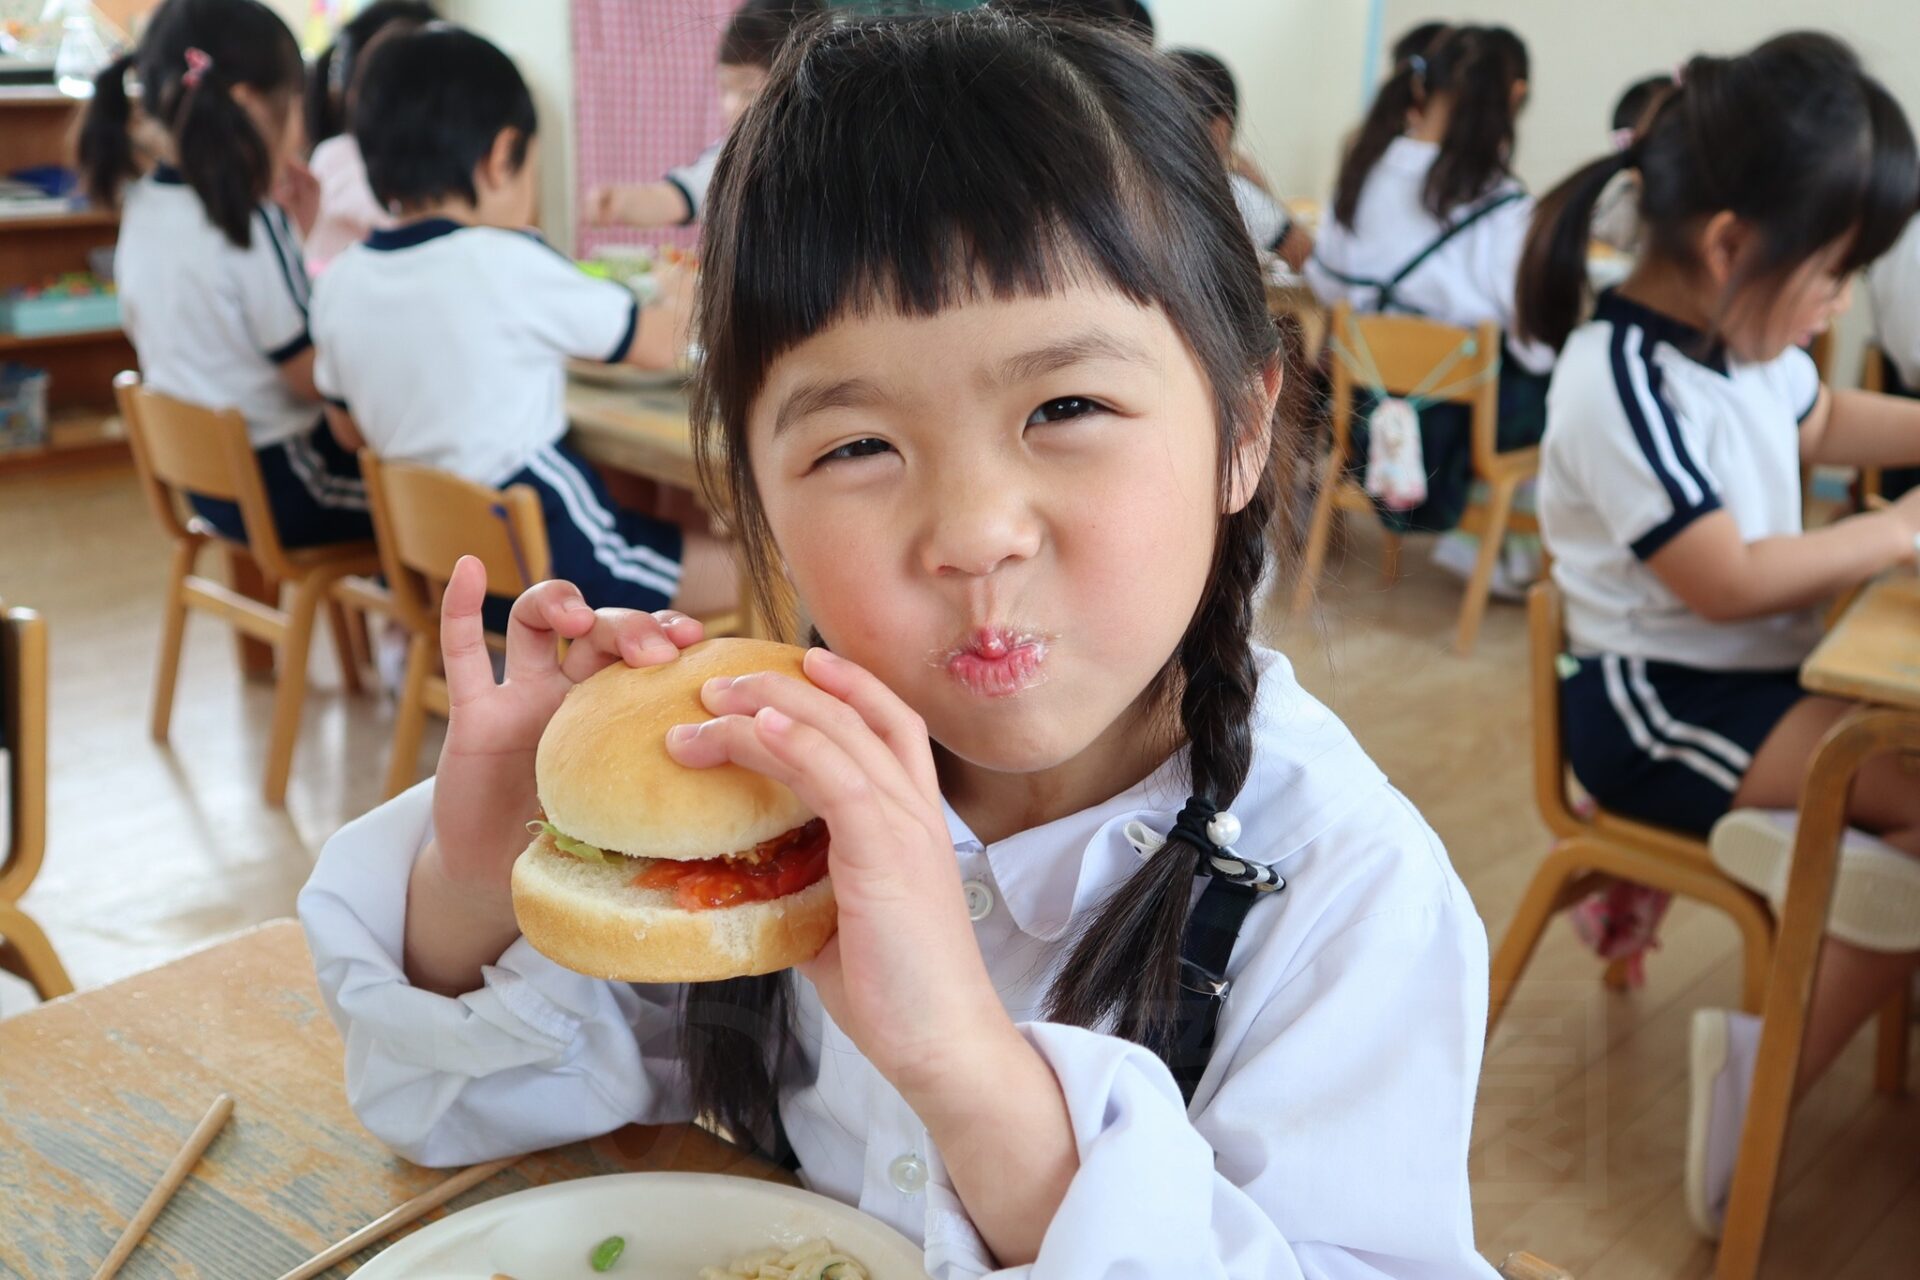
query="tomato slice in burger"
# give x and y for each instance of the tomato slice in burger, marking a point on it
(783, 865)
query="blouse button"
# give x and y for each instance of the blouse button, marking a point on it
(909, 1174)
(979, 900)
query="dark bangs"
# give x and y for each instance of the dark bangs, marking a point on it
(918, 163)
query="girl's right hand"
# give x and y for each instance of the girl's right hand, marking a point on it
(484, 794)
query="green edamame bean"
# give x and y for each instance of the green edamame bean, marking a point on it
(606, 1253)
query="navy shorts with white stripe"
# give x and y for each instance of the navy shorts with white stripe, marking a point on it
(313, 488)
(1664, 743)
(617, 557)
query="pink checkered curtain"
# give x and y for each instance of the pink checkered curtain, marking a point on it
(645, 98)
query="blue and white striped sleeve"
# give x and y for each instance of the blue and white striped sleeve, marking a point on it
(1645, 466)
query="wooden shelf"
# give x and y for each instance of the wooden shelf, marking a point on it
(73, 220)
(12, 342)
(74, 437)
(34, 95)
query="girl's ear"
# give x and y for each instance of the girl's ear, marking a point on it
(1724, 238)
(1519, 96)
(1255, 445)
(497, 168)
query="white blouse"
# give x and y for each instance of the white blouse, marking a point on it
(1328, 1137)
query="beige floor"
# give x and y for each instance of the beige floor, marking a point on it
(1582, 1106)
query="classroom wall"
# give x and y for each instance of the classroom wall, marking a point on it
(536, 34)
(1298, 63)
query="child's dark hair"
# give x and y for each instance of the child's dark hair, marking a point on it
(1210, 84)
(1128, 15)
(935, 120)
(759, 28)
(218, 148)
(1477, 67)
(1631, 111)
(430, 105)
(1415, 41)
(331, 75)
(1832, 159)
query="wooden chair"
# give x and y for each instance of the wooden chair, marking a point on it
(180, 448)
(424, 520)
(24, 948)
(1406, 350)
(1590, 848)
(1873, 377)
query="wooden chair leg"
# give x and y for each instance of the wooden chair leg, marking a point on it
(1544, 896)
(290, 693)
(1890, 1055)
(173, 630)
(244, 575)
(1493, 531)
(1390, 556)
(1319, 532)
(410, 717)
(24, 950)
(343, 646)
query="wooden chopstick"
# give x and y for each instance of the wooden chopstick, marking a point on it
(398, 1216)
(176, 1173)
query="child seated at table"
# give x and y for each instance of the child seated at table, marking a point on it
(1217, 96)
(444, 339)
(1678, 420)
(754, 36)
(1893, 286)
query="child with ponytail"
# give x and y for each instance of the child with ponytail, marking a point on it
(213, 292)
(1428, 220)
(1680, 415)
(1013, 457)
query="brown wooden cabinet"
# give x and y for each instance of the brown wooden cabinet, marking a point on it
(35, 124)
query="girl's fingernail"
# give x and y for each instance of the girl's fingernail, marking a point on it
(659, 648)
(681, 734)
(827, 657)
(775, 720)
(579, 606)
(720, 684)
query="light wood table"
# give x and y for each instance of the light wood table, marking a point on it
(641, 430)
(1872, 655)
(98, 1090)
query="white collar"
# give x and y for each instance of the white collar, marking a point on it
(1307, 771)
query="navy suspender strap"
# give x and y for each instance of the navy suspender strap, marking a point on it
(1385, 298)
(1211, 931)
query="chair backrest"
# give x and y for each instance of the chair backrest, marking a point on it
(181, 448)
(425, 519)
(23, 727)
(1405, 353)
(1546, 633)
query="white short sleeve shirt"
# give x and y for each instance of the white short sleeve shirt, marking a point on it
(1468, 280)
(213, 322)
(448, 343)
(1650, 426)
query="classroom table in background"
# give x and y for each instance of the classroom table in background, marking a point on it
(1871, 656)
(645, 431)
(100, 1089)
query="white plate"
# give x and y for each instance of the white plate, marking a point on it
(673, 1223)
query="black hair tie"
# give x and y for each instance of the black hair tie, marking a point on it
(1211, 831)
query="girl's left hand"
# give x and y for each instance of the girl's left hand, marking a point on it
(903, 976)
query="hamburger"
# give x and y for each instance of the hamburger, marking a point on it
(642, 870)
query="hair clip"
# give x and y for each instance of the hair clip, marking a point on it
(1417, 63)
(198, 64)
(1621, 139)
(1211, 832)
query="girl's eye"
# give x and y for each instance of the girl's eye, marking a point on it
(1062, 409)
(857, 449)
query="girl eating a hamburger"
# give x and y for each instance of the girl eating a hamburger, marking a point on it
(1138, 965)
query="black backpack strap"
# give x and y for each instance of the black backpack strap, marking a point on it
(1387, 301)
(1211, 931)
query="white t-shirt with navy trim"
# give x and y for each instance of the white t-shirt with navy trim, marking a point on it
(1893, 285)
(1650, 426)
(210, 321)
(694, 178)
(1267, 221)
(1468, 280)
(448, 343)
